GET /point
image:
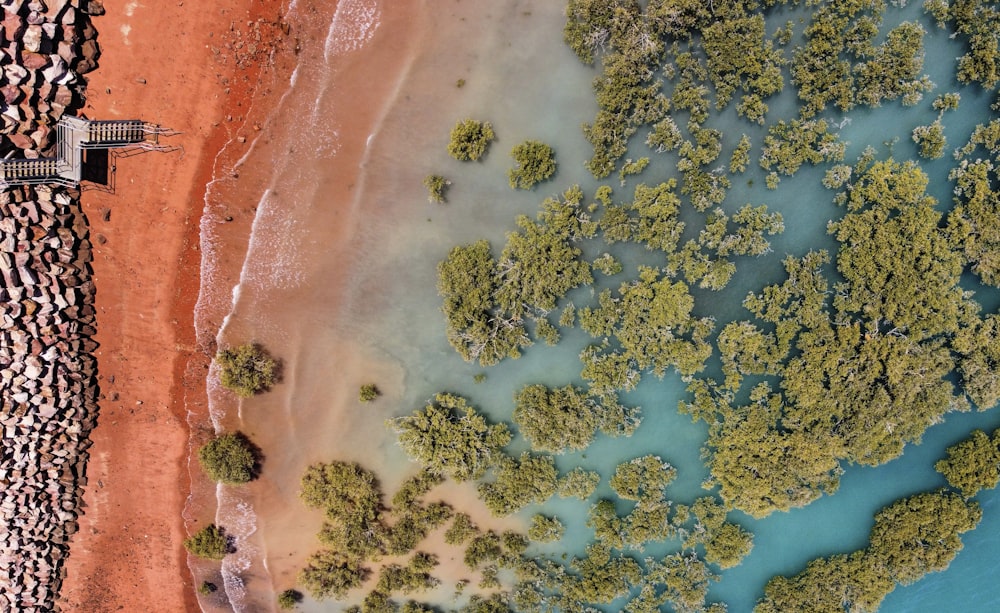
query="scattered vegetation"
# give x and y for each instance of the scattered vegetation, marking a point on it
(461, 530)
(534, 162)
(470, 139)
(607, 264)
(359, 529)
(974, 220)
(230, 458)
(415, 576)
(352, 501)
(911, 537)
(436, 187)
(973, 464)
(368, 392)
(487, 301)
(545, 529)
(642, 478)
(931, 140)
(632, 168)
(653, 307)
(247, 369)
(740, 158)
(566, 419)
(210, 543)
(847, 358)
(578, 483)
(206, 588)
(788, 146)
(288, 599)
(448, 437)
(329, 573)
(978, 23)
(947, 101)
(520, 482)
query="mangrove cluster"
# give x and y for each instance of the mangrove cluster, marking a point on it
(844, 358)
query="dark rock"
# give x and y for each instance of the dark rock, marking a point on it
(68, 15)
(90, 50)
(42, 137)
(84, 66)
(87, 30)
(32, 38)
(45, 91)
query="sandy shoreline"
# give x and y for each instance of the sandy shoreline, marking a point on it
(308, 160)
(167, 63)
(176, 63)
(182, 70)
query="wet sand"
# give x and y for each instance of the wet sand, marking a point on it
(268, 152)
(302, 179)
(328, 202)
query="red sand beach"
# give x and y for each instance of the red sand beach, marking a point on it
(170, 63)
(213, 74)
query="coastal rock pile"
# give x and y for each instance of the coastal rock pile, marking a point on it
(48, 390)
(48, 386)
(45, 45)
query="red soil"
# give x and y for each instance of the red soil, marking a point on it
(170, 63)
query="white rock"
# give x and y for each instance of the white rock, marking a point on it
(15, 74)
(32, 38)
(69, 17)
(55, 71)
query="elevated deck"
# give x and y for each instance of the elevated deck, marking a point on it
(74, 136)
(42, 170)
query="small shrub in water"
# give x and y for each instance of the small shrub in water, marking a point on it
(230, 458)
(210, 543)
(436, 186)
(288, 599)
(368, 392)
(469, 140)
(534, 162)
(247, 369)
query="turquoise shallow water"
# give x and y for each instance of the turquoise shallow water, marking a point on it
(547, 97)
(521, 77)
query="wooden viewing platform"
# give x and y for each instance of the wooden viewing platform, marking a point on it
(74, 136)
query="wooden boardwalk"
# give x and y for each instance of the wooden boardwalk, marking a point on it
(74, 136)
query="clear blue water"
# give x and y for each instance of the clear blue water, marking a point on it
(521, 77)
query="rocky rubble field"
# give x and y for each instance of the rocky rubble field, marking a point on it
(48, 373)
